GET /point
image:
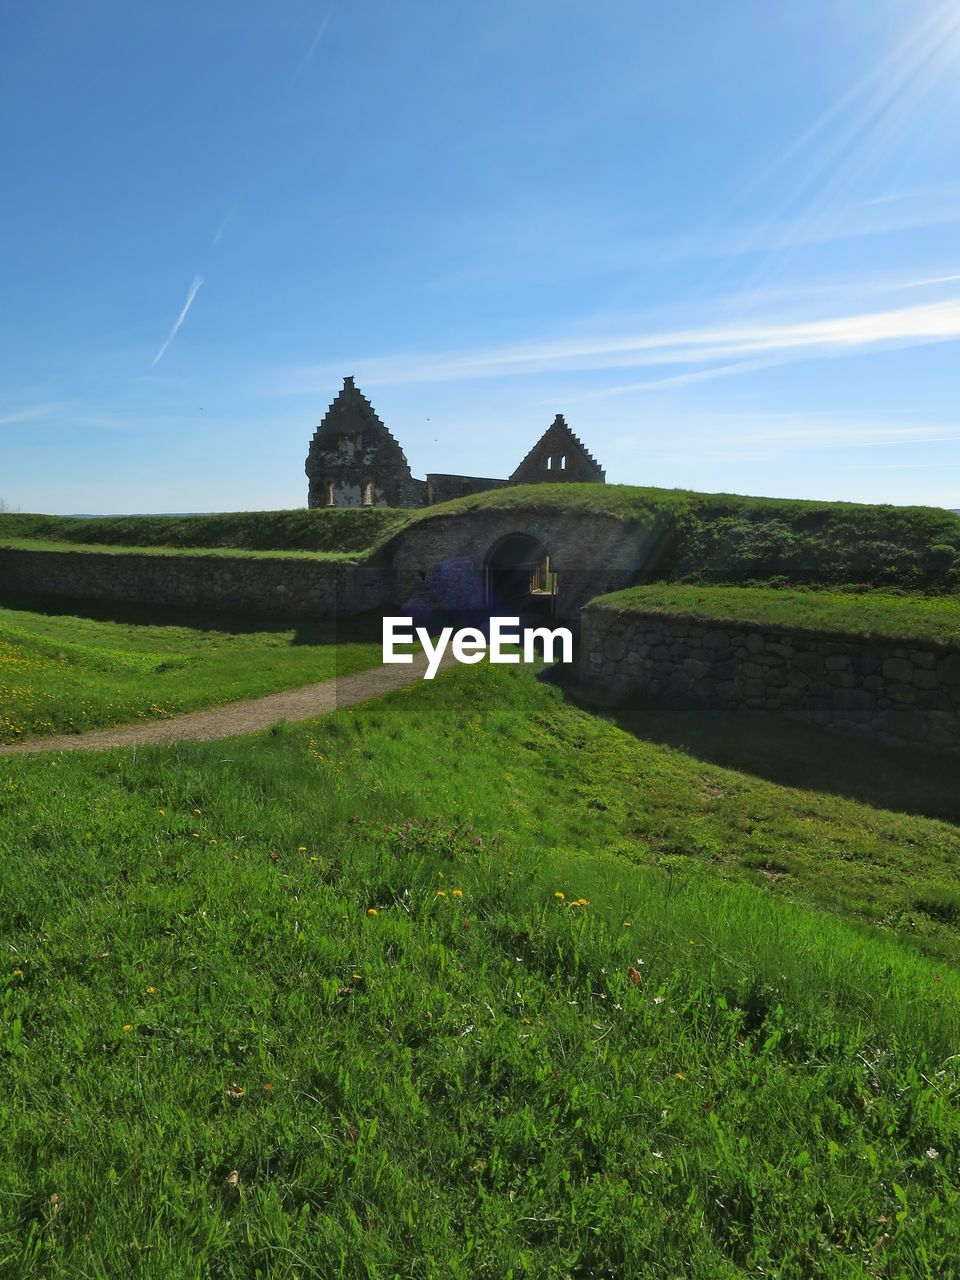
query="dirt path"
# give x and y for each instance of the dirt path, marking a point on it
(248, 716)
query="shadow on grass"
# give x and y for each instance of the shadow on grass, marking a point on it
(362, 628)
(909, 780)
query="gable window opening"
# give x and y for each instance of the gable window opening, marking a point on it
(331, 494)
(550, 463)
(563, 462)
(342, 442)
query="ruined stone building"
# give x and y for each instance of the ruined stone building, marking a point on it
(354, 460)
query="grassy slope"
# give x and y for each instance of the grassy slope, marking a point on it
(348, 530)
(683, 1076)
(733, 538)
(889, 617)
(60, 672)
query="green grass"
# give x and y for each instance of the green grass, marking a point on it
(60, 672)
(719, 537)
(709, 537)
(218, 1061)
(81, 548)
(908, 618)
(345, 530)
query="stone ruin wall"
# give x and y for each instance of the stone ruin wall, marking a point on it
(895, 692)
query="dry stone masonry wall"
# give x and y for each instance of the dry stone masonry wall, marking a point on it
(287, 586)
(898, 693)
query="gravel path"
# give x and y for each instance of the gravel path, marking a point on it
(239, 717)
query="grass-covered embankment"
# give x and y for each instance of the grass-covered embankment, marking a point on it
(320, 1004)
(909, 619)
(705, 537)
(340, 530)
(60, 672)
(717, 537)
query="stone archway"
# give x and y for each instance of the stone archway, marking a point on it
(518, 578)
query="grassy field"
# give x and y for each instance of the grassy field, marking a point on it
(585, 1005)
(60, 672)
(911, 618)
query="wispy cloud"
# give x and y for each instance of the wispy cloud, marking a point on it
(737, 346)
(218, 234)
(923, 284)
(844, 435)
(194, 290)
(32, 414)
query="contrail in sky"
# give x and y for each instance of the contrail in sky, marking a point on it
(314, 44)
(194, 290)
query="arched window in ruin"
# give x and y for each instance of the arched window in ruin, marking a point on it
(367, 498)
(563, 462)
(550, 463)
(331, 493)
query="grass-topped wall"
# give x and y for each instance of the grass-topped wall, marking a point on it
(887, 667)
(354, 529)
(906, 619)
(721, 537)
(664, 534)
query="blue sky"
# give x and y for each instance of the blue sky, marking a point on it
(723, 240)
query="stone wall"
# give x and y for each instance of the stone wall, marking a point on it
(293, 587)
(442, 487)
(440, 563)
(433, 564)
(897, 692)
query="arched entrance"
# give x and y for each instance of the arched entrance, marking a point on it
(518, 577)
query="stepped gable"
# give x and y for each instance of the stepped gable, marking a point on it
(559, 455)
(355, 460)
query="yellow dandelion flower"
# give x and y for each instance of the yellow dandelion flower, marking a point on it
(372, 911)
(457, 893)
(18, 973)
(559, 895)
(583, 902)
(198, 811)
(441, 893)
(679, 1075)
(628, 924)
(357, 977)
(127, 1026)
(301, 848)
(151, 991)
